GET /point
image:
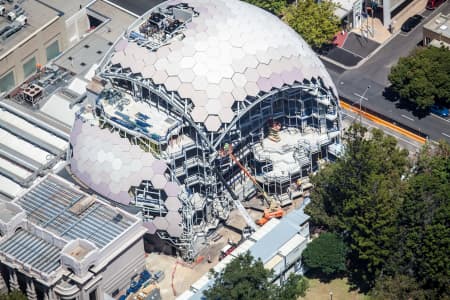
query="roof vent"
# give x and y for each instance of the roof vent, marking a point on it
(443, 27)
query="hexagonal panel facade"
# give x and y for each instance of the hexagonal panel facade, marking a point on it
(110, 165)
(230, 47)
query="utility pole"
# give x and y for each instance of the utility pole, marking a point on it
(363, 96)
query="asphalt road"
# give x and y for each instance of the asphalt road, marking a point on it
(374, 72)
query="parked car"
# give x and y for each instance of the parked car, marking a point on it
(439, 110)
(411, 23)
(433, 4)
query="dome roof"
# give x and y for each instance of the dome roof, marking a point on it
(230, 51)
(110, 165)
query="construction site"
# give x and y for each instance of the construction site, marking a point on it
(200, 108)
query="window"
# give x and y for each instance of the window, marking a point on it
(29, 67)
(7, 82)
(93, 295)
(52, 50)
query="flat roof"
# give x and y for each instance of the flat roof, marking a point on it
(119, 20)
(67, 7)
(16, 123)
(440, 24)
(37, 14)
(269, 245)
(84, 54)
(71, 214)
(32, 250)
(9, 188)
(138, 7)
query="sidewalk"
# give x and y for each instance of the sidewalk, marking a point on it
(414, 8)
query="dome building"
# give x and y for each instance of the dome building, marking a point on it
(189, 83)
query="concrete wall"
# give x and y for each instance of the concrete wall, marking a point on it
(118, 274)
(429, 35)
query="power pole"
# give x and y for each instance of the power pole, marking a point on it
(363, 96)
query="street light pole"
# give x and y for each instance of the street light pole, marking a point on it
(360, 104)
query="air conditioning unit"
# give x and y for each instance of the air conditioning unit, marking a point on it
(12, 16)
(22, 20)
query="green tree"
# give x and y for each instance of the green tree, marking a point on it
(425, 221)
(294, 287)
(326, 255)
(359, 197)
(244, 278)
(398, 287)
(13, 295)
(274, 6)
(422, 77)
(314, 20)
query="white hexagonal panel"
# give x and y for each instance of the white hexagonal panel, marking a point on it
(230, 47)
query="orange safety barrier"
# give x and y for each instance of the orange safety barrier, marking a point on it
(382, 122)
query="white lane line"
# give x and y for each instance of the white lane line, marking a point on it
(388, 131)
(436, 116)
(408, 118)
(447, 135)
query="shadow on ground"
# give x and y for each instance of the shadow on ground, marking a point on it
(390, 95)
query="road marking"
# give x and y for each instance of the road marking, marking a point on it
(384, 123)
(409, 118)
(351, 52)
(389, 132)
(360, 96)
(447, 135)
(436, 116)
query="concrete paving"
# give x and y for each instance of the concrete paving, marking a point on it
(359, 45)
(184, 275)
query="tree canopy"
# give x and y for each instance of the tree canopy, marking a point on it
(422, 77)
(246, 279)
(326, 255)
(13, 295)
(274, 6)
(314, 20)
(425, 221)
(392, 213)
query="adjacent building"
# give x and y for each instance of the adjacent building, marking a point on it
(436, 32)
(57, 242)
(279, 244)
(32, 33)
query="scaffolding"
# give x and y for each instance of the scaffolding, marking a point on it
(277, 136)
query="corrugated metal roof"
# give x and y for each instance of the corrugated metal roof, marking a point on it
(268, 245)
(285, 230)
(293, 243)
(265, 229)
(49, 204)
(273, 262)
(32, 250)
(296, 217)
